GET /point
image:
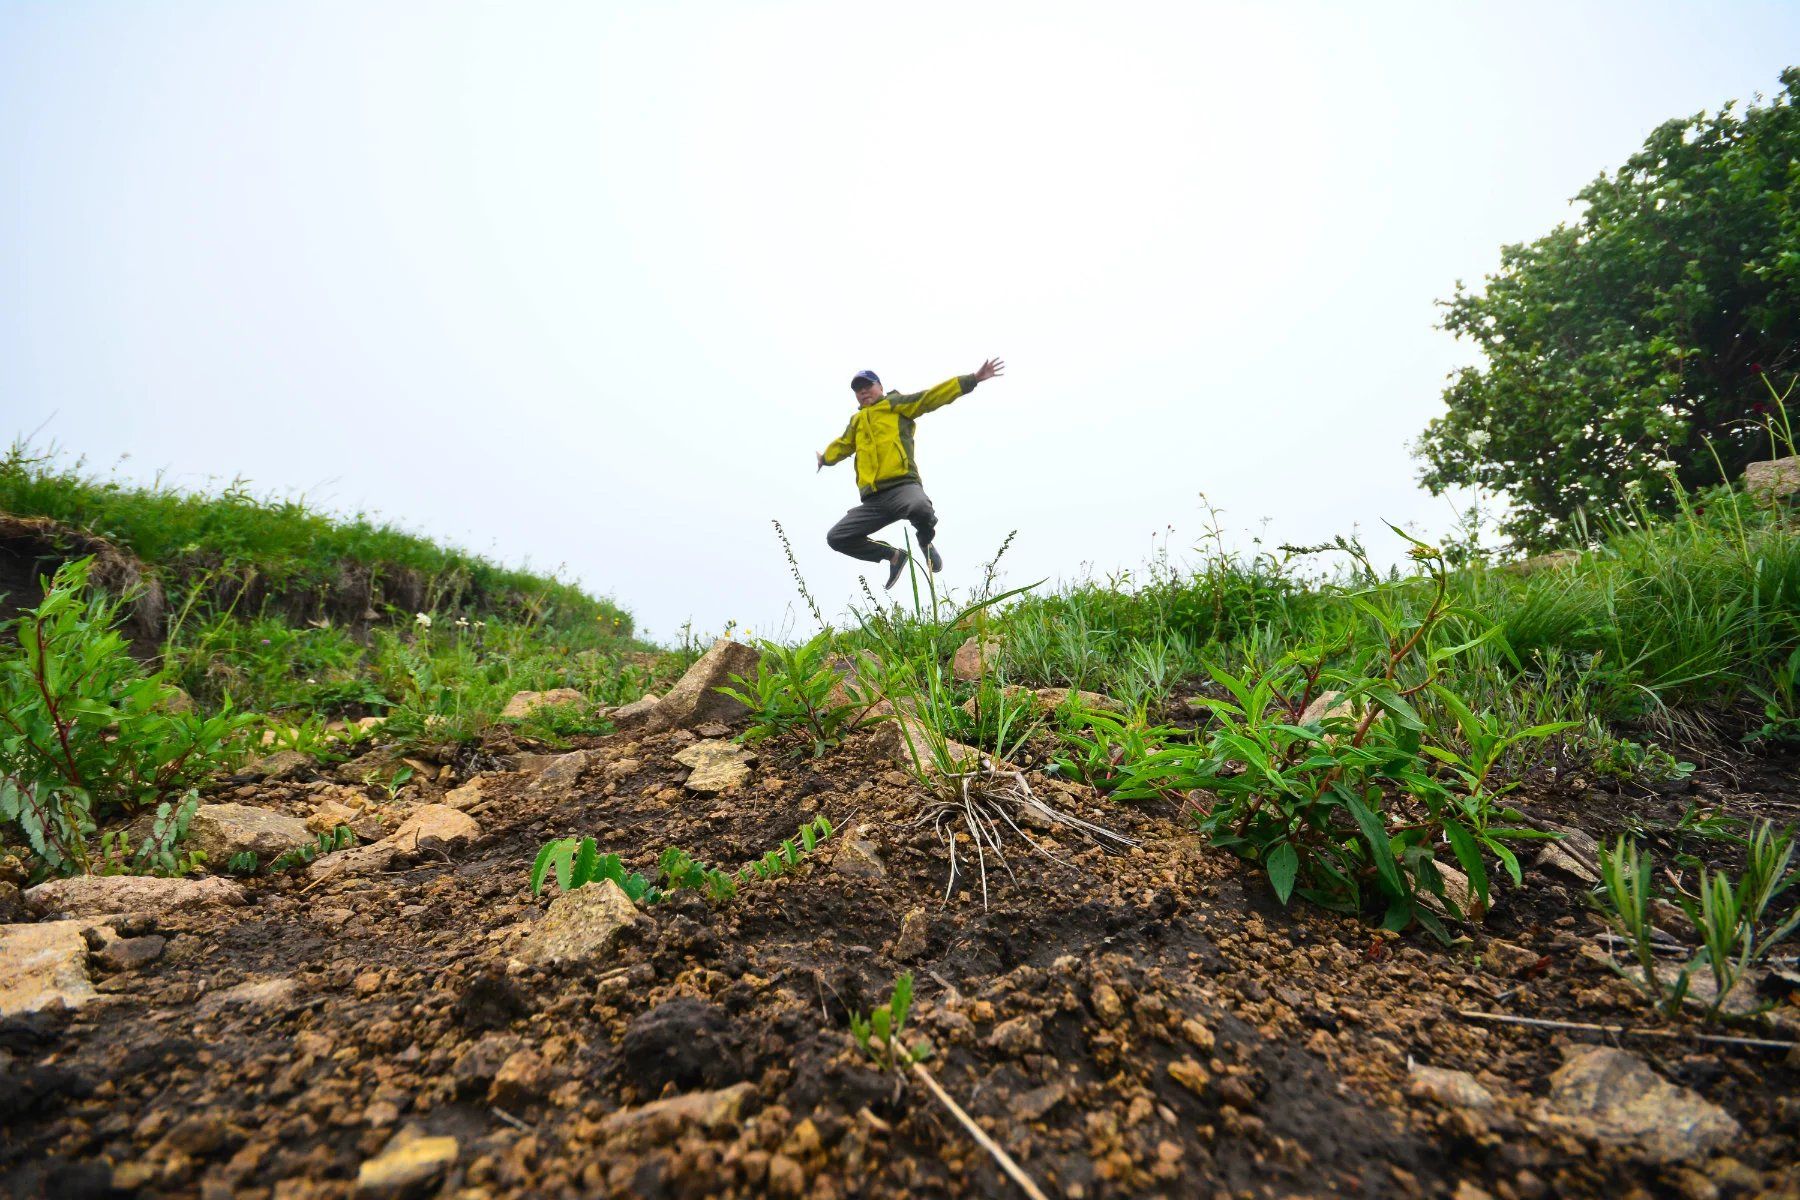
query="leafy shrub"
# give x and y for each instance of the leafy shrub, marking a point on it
(1101, 744)
(793, 690)
(554, 723)
(157, 855)
(84, 730)
(1333, 803)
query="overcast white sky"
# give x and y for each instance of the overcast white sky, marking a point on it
(585, 284)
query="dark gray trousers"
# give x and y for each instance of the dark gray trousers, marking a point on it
(901, 502)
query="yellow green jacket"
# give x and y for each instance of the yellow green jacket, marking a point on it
(881, 435)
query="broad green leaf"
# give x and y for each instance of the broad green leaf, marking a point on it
(1283, 865)
(1468, 853)
(1375, 834)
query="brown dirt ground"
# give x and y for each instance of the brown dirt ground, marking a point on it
(1055, 1015)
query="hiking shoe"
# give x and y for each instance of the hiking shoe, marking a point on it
(933, 557)
(896, 565)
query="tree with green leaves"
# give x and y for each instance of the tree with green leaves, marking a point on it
(1635, 346)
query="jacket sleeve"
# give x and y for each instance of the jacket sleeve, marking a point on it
(923, 402)
(844, 447)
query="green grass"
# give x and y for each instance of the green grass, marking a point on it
(195, 539)
(253, 584)
(1702, 611)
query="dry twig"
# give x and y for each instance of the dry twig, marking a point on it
(1627, 1030)
(981, 1138)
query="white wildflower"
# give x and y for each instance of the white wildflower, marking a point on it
(1477, 438)
(422, 620)
(1665, 464)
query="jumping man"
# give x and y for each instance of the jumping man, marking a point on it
(881, 437)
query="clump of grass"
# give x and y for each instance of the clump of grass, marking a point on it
(1732, 917)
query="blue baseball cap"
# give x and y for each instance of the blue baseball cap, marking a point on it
(862, 377)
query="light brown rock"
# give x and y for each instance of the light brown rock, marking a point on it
(661, 1120)
(1612, 1097)
(1019, 1036)
(1456, 1088)
(256, 993)
(1554, 857)
(105, 895)
(468, 795)
(636, 712)
(329, 815)
(1504, 958)
(1190, 1074)
(695, 698)
(44, 966)
(1780, 477)
(582, 926)
(407, 1163)
(562, 771)
(912, 744)
(280, 765)
(523, 704)
(434, 827)
(855, 855)
(915, 930)
(223, 830)
(974, 658)
(431, 829)
(716, 766)
(524, 1078)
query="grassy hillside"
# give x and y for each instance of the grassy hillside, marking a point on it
(266, 604)
(273, 555)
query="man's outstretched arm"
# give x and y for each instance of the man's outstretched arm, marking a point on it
(839, 450)
(926, 401)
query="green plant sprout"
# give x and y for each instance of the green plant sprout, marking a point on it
(340, 838)
(879, 1033)
(1729, 915)
(576, 862)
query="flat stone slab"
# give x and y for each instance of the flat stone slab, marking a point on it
(661, 1120)
(107, 895)
(223, 830)
(716, 766)
(582, 926)
(561, 771)
(523, 704)
(405, 1165)
(258, 993)
(430, 828)
(1457, 1088)
(1613, 1097)
(44, 966)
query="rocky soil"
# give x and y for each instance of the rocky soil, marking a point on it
(405, 1018)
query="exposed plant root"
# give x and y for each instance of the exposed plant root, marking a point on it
(985, 800)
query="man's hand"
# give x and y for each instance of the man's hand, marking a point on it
(821, 460)
(989, 369)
